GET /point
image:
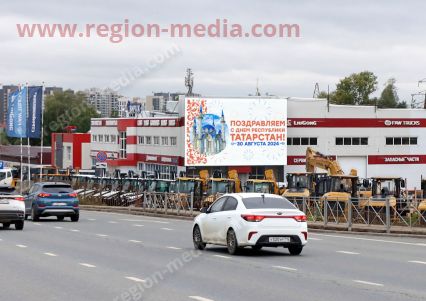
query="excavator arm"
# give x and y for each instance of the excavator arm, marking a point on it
(315, 159)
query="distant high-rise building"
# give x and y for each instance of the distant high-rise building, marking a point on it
(104, 101)
(4, 95)
(158, 101)
(52, 90)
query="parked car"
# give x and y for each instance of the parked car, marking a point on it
(251, 219)
(12, 209)
(52, 199)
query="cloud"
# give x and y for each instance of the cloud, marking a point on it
(337, 39)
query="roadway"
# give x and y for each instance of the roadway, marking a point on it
(110, 256)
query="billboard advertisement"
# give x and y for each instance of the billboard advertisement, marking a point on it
(235, 131)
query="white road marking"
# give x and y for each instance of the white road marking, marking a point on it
(21, 246)
(313, 238)
(284, 268)
(137, 225)
(50, 254)
(167, 229)
(368, 283)
(135, 241)
(37, 224)
(416, 261)
(348, 252)
(59, 227)
(101, 235)
(371, 239)
(174, 248)
(143, 220)
(198, 298)
(135, 279)
(75, 230)
(112, 222)
(88, 265)
(91, 219)
(222, 256)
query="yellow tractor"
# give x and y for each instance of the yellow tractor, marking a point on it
(384, 189)
(266, 185)
(214, 186)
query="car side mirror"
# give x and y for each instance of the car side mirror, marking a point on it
(204, 210)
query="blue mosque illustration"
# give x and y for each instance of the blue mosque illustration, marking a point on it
(209, 133)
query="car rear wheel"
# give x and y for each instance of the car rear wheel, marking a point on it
(197, 239)
(60, 218)
(6, 225)
(34, 215)
(295, 250)
(75, 217)
(19, 225)
(231, 242)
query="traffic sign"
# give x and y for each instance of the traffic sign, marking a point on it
(1, 164)
(101, 156)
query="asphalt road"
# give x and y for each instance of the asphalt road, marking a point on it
(125, 257)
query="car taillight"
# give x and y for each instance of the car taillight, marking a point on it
(44, 195)
(75, 205)
(20, 198)
(73, 195)
(42, 205)
(300, 218)
(252, 218)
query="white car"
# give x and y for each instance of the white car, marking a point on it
(12, 210)
(251, 219)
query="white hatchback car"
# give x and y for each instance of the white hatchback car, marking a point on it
(12, 210)
(251, 219)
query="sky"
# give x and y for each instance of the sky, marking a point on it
(337, 38)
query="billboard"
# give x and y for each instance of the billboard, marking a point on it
(235, 131)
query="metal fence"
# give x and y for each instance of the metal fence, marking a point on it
(379, 212)
(347, 212)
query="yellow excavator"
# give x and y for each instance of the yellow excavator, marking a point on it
(266, 185)
(337, 188)
(217, 184)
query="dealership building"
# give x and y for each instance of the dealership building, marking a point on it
(375, 142)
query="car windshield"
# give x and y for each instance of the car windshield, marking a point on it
(267, 202)
(57, 188)
(2, 175)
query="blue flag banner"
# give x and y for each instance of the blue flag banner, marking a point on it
(34, 112)
(17, 114)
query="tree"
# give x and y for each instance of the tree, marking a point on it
(355, 89)
(389, 97)
(322, 94)
(63, 109)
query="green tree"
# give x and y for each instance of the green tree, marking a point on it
(389, 97)
(114, 114)
(355, 89)
(66, 108)
(322, 94)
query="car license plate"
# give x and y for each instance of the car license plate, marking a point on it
(4, 202)
(279, 239)
(59, 204)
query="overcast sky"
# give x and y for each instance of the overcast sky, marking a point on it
(337, 39)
